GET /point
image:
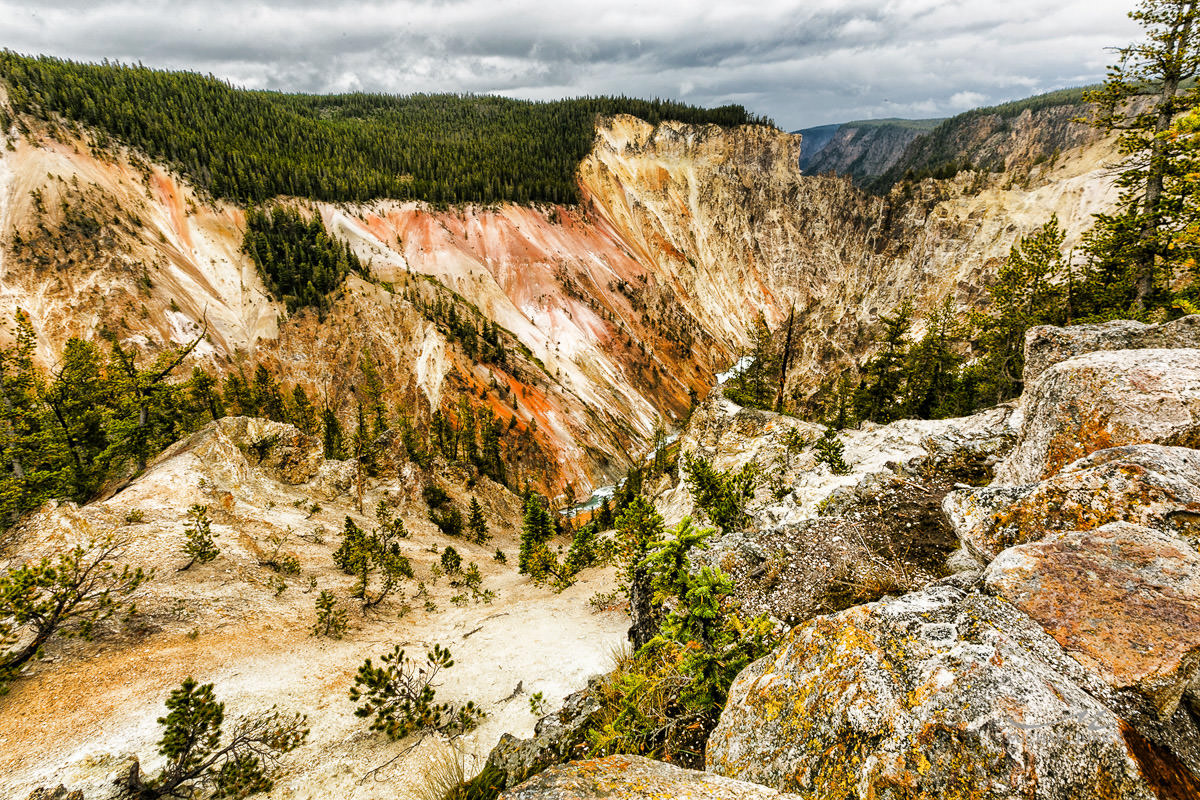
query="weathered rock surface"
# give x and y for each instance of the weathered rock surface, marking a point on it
(1148, 484)
(1123, 600)
(635, 778)
(1101, 400)
(937, 694)
(557, 738)
(1046, 345)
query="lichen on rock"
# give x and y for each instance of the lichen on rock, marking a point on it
(635, 778)
(1123, 600)
(1105, 399)
(940, 693)
(1147, 484)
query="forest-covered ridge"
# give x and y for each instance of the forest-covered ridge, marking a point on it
(949, 146)
(250, 145)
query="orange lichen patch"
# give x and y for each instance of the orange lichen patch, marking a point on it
(1074, 442)
(1123, 600)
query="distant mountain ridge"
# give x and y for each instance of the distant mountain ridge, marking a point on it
(861, 149)
(877, 154)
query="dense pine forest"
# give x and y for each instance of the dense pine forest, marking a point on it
(297, 258)
(250, 146)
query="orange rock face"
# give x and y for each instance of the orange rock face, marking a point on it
(1145, 484)
(1105, 399)
(1123, 600)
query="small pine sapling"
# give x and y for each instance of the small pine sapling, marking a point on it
(331, 620)
(198, 760)
(399, 696)
(199, 547)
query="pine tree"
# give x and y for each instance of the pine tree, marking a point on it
(535, 558)
(199, 547)
(331, 620)
(268, 398)
(830, 452)
(302, 413)
(878, 396)
(400, 696)
(1131, 248)
(67, 595)
(195, 755)
(477, 523)
(1026, 292)
(374, 558)
(755, 383)
(334, 448)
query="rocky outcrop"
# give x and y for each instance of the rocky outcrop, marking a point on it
(1148, 484)
(1105, 399)
(557, 738)
(635, 778)
(1123, 600)
(941, 693)
(1047, 345)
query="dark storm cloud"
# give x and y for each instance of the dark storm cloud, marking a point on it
(804, 62)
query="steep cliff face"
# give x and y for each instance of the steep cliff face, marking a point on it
(1006, 138)
(865, 149)
(619, 308)
(725, 217)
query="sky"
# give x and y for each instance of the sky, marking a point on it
(801, 62)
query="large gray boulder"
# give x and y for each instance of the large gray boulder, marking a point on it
(940, 693)
(1101, 400)
(635, 778)
(1148, 484)
(1123, 600)
(1046, 345)
(557, 738)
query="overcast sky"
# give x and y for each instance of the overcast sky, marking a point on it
(802, 62)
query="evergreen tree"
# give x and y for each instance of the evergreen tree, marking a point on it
(334, 448)
(196, 756)
(932, 366)
(302, 412)
(67, 595)
(477, 523)
(721, 494)
(829, 449)
(878, 396)
(199, 545)
(534, 558)
(399, 695)
(331, 620)
(374, 558)
(1131, 248)
(238, 395)
(268, 398)
(755, 384)
(1027, 292)
(205, 396)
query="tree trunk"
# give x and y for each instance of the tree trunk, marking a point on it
(787, 355)
(1179, 44)
(642, 612)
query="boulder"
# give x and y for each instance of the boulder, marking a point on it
(557, 738)
(1123, 600)
(1046, 345)
(635, 778)
(1101, 400)
(940, 693)
(1148, 484)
